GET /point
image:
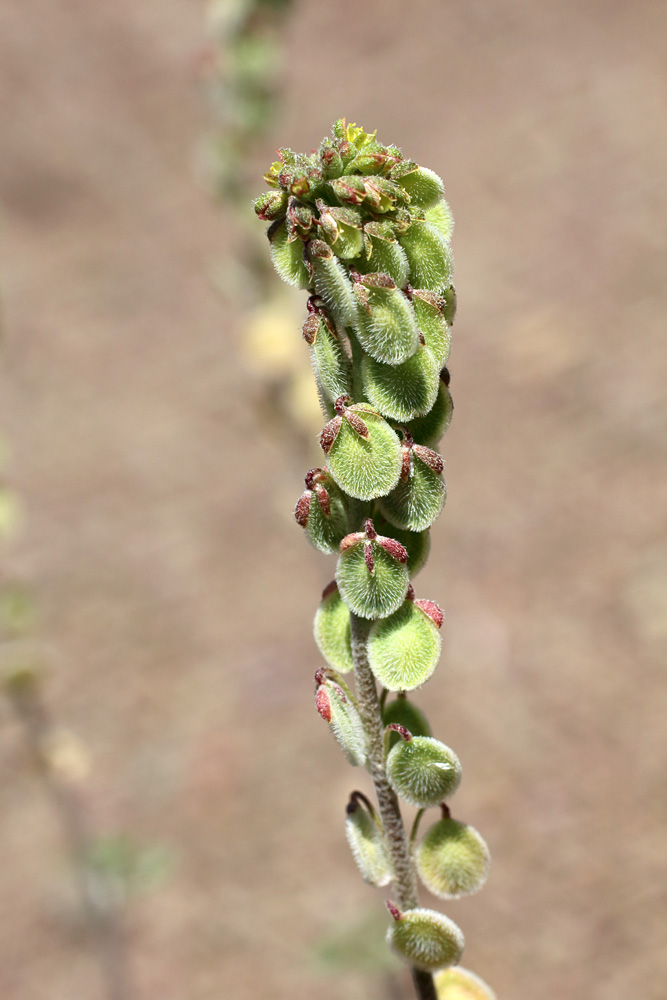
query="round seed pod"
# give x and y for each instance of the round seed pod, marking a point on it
(417, 500)
(386, 324)
(387, 257)
(403, 650)
(344, 721)
(459, 984)
(402, 391)
(423, 771)
(440, 217)
(331, 363)
(287, 256)
(423, 186)
(371, 579)
(429, 257)
(452, 859)
(405, 713)
(416, 543)
(365, 467)
(429, 310)
(428, 430)
(367, 844)
(321, 511)
(331, 282)
(426, 939)
(332, 630)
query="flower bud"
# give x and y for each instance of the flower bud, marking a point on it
(300, 219)
(425, 939)
(321, 511)
(423, 187)
(403, 650)
(372, 575)
(459, 984)
(349, 189)
(452, 859)
(331, 363)
(287, 256)
(382, 194)
(363, 452)
(416, 543)
(383, 256)
(330, 160)
(386, 324)
(271, 205)
(428, 430)
(429, 310)
(331, 282)
(429, 258)
(420, 494)
(344, 721)
(423, 771)
(331, 629)
(440, 217)
(367, 843)
(404, 713)
(405, 391)
(341, 227)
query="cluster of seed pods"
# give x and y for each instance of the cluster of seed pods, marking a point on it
(367, 233)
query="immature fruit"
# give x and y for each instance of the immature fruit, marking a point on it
(320, 510)
(452, 859)
(372, 575)
(423, 771)
(331, 282)
(429, 257)
(401, 392)
(416, 543)
(428, 430)
(287, 256)
(420, 494)
(423, 186)
(403, 712)
(440, 217)
(335, 707)
(363, 452)
(367, 843)
(403, 650)
(331, 363)
(429, 310)
(386, 257)
(459, 984)
(332, 630)
(425, 939)
(385, 324)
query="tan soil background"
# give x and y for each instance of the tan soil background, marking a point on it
(176, 594)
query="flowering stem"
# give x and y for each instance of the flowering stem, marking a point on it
(405, 878)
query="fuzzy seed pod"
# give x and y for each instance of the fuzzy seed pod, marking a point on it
(459, 984)
(452, 859)
(386, 257)
(405, 391)
(425, 939)
(287, 256)
(405, 713)
(423, 771)
(420, 494)
(429, 257)
(363, 452)
(372, 575)
(423, 186)
(332, 630)
(403, 650)
(320, 510)
(331, 363)
(331, 282)
(440, 217)
(367, 843)
(342, 228)
(429, 309)
(386, 324)
(336, 708)
(428, 430)
(416, 543)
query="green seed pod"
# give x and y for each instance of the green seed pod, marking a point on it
(332, 630)
(386, 324)
(452, 859)
(336, 708)
(423, 186)
(404, 391)
(372, 575)
(330, 361)
(429, 310)
(425, 939)
(459, 984)
(416, 543)
(429, 257)
(423, 771)
(331, 282)
(321, 511)
(420, 495)
(405, 713)
(428, 430)
(287, 256)
(342, 228)
(367, 843)
(440, 217)
(363, 452)
(386, 257)
(403, 650)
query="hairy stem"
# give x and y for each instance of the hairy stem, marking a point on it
(405, 877)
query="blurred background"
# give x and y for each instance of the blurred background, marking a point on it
(158, 432)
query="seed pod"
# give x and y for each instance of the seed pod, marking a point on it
(416, 543)
(336, 708)
(321, 511)
(423, 186)
(363, 452)
(386, 257)
(429, 257)
(452, 859)
(331, 282)
(386, 324)
(342, 228)
(332, 630)
(405, 391)
(459, 984)
(423, 771)
(372, 575)
(367, 842)
(287, 256)
(425, 939)
(420, 494)
(330, 361)
(429, 310)
(428, 430)
(405, 713)
(403, 650)
(440, 217)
